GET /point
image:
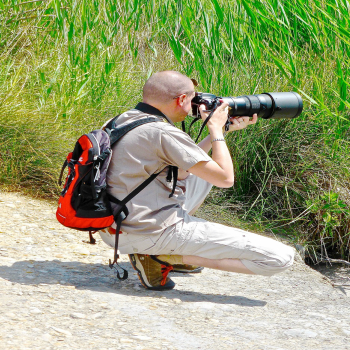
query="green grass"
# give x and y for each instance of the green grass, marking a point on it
(66, 66)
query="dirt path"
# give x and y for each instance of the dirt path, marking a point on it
(57, 292)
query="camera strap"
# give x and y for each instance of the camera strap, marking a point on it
(189, 128)
(205, 123)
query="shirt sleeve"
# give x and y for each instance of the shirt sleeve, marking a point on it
(178, 149)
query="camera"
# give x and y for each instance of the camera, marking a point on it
(268, 105)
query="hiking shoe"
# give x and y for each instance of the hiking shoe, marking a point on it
(177, 263)
(184, 268)
(152, 272)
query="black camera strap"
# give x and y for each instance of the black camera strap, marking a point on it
(207, 119)
(204, 124)
(190, 126)
(183, 126)
(196, 120)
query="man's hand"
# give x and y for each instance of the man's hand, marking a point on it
(219, 117)
(239, 123)
(221, 114)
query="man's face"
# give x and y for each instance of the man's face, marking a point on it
(188, 99)
(184, 102)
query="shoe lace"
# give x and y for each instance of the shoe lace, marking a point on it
(165, 270)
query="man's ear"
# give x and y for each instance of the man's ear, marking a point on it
(181, 100)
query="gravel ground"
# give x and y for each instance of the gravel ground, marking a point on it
(58, 292)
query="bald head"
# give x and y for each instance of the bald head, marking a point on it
(162, 87)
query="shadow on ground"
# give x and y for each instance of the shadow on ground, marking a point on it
(98, 277)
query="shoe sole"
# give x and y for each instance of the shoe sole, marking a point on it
(140, 270)
(197, 270)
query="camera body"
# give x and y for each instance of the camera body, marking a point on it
(269, 105)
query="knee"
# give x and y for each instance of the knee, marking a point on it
(286, 259)
(283, 261)
(272, 264)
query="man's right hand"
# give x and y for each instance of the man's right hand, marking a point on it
(218, 119)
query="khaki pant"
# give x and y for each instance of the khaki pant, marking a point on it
(194, 236)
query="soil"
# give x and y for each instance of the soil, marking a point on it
(58, 292)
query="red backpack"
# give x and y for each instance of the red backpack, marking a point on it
(84, 203)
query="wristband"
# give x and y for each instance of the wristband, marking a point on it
(217, 140)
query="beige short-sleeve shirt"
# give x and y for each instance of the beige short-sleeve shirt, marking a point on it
(145, 150)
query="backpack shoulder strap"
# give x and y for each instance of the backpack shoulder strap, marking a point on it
(110, 124)
(120, 212)
(119, 131)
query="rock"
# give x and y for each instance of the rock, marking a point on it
(62, 331)
(78, 315)
(46, 337)
(301, 333)
(346, 331)
(35, 310)
(126, 340)
(82, 251)
(10, 205)
(141, 337)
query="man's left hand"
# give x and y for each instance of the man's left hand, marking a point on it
(239, 123)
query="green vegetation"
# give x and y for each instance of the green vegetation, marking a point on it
(66, 66)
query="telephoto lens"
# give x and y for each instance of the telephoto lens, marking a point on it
(276, 105)
(269, 105)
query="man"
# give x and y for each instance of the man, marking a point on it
(160, 231)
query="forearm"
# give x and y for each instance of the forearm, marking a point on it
(205, 144)
(220, 152)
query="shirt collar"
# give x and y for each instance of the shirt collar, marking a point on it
(146, 108)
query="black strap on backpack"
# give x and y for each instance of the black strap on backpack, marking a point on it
(172, 175)
(173, 170)
(120, 211)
